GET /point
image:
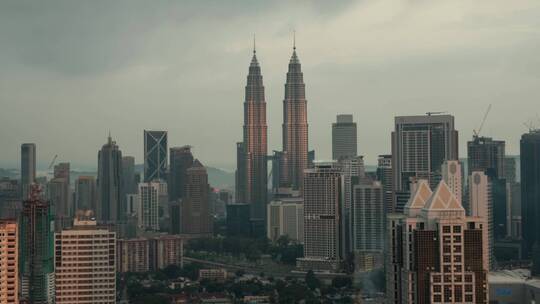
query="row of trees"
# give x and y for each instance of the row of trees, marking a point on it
(284, 250)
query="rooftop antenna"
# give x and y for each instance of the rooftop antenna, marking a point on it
(294, 40)
(254, 49)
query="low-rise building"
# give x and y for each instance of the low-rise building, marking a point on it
(213, 274)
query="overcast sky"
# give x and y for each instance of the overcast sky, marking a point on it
(70, 71)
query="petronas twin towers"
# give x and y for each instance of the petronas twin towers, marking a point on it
(252, 171)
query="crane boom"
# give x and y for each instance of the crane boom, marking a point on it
(477, 133)
(52, 161)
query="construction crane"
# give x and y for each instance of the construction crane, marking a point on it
(435, 113)
(477, 133)
(52, 162)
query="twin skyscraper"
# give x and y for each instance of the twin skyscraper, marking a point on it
(252, 168)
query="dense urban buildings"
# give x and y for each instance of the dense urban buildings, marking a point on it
(384, 175)
(28, 168)
(58, 194)
(36, 249)
(530, 194)
(486, 154)
(286, 218)
(181, 159)
(9, 262)
(109, 183)
(252, 162)
(155, 155)
(438, 254)
(420, 145)
(481, 205)
(85, 265)
(323, 219)
(129, 182)
(344, 140)
(195, 209)
(295, 126)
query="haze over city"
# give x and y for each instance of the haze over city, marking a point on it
(72, 72)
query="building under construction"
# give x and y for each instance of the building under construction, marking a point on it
(36, 250)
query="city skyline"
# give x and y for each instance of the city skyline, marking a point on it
(459, 81)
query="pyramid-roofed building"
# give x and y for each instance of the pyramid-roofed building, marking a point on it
(418, 199)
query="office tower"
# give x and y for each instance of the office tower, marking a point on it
(439, 255)
(530, 192)
(132, 205)
(28, 168)
(10, 198)
(420, 145)
(323, 221)
(148, 214)
(368, 220)
(286, 218)
(36, 249)
(295, 126)
(155, 155)
(481, 205)
(169, 251)
(384, 175)
(128, 175)
(451, 174)
(344, 137)
(58, 195)
(510, 169)
(9, 267)
(252, 152)
(109, 183)
(486, 154)
(515, 211)
(85, 193)
(238, 220)
(181, 159)
(85, 264)
(195, 210)
(225, 196)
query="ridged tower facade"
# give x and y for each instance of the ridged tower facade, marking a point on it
(295, 126)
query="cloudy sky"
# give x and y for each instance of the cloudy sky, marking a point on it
(70, 71)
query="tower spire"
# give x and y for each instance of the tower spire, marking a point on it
(294, 40)
(254, 46)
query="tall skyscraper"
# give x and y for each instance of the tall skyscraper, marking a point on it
(195, 206)
(181, 160)
(36, 249)
(344, 137)
(323, 218)
(530, 193)
(75, 249)
(58, 195)
(28, 168)
(62, 170)
(295, 126)
(451, 174)
(420, 145)
(486, 154)
(252, 161)
(368, 218)
(481, 205)
(155, 155)
(148, 214)
(384, 175)
(85, 193)
(109, 183)
(129, 184)
(9, 267)
(438, 254)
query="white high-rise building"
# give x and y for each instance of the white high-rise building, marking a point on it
(148, 214)
(481, 205)
(85, 264)
(286, 218)
(451, 174)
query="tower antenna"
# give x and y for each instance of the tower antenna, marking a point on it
(294, 40)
